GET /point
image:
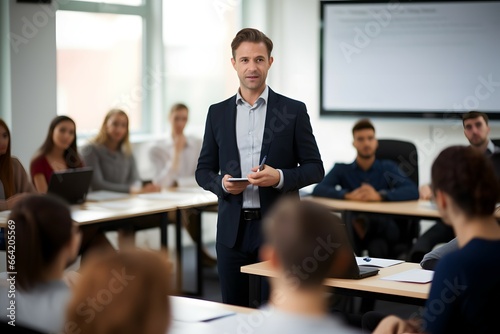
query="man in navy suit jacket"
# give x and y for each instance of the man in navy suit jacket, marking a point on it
(241, 133)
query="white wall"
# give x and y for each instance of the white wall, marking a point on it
(293, 25)
(33, 76)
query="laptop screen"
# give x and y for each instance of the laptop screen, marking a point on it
(72, 185)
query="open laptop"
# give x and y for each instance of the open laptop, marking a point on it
(345, 265)
(72, 185)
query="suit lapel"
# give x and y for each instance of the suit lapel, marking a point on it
(230, 133)
(272, 104)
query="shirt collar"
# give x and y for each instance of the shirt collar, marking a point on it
(375, 165)
(490, 147)
(263, 97)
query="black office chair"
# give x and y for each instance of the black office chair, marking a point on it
(405, 155)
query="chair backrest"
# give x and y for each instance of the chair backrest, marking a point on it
(403, 153)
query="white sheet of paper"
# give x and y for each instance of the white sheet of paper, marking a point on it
(376, 262)
(179, 327)
(196, 310)
(5, 214)
(105, 195)
(166, 196)
(412, 276)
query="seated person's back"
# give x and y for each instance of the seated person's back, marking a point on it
(137, 302)
(46, 242)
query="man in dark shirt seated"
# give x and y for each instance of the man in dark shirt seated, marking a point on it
(370, 180)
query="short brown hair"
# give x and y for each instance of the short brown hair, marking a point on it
(468, 177)
(296, 230)
(178, 106)
(132, 288)
(474, 114)
(251, 35)
(363, 124)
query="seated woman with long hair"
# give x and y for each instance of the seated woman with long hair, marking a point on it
(46, 242)
(465, 289)
(110, 156)
(130, 293)
(59, 152)
(14, 182)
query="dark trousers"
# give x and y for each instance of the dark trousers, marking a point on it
(234, 284)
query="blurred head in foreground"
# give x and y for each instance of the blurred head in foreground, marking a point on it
(300, 239)
(125, 292)
(464, 182)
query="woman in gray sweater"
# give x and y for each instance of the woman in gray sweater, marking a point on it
(110, 156)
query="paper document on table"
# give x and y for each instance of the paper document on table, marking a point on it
(105, 195)
(178, 327)
(412, 276)
(376, 262)
(196, 310)
(4, 214)
(166, 196)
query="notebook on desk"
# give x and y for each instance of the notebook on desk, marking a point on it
(345, 265)
(71, 185)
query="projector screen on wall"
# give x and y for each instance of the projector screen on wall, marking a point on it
(409, 58)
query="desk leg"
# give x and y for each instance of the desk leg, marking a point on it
(178, 246)
(347, 219)
(199, 248)
(164, 230)
(254, 292)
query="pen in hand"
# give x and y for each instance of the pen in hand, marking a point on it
(261, 167)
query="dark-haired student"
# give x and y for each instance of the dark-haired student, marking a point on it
(47, 241)
(14, 182)
(57, 153)
(294, 232)
(368, 179)
(465, 289)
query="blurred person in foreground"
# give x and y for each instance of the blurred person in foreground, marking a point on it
(301, 246)
(464, 293)
(124, 292)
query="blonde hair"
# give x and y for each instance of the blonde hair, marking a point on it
(129, 291)
(102, 136)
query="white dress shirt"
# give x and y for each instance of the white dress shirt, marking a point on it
(162, 157)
